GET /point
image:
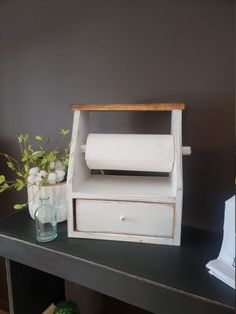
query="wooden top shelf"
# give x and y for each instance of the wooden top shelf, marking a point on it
(129, 107)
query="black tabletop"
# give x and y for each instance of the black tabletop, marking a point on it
(177, 269)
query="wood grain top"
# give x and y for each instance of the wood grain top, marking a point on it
(129, 107)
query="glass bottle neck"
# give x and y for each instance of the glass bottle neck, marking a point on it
(44, 200)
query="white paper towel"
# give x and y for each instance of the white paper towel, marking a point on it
(130, 152)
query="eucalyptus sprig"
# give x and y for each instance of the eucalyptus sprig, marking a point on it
(38, 164)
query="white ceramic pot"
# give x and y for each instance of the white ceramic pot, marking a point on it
(57, 198)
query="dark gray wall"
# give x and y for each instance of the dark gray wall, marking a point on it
(54, 53)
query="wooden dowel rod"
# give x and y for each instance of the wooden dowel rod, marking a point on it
(186, 150)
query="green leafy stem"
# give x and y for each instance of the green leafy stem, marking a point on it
(40, 156)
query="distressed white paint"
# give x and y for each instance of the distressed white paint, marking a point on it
(77, 162)
(177, 172)
(121, 237)
(93, 193)
(71, 169)
(148, 219)
(127, 188)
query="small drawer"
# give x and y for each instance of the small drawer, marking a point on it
(119, 217)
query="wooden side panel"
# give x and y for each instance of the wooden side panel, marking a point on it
(77, 162)
(78, 172)
(177, 172)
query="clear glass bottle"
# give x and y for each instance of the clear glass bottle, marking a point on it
(45, 221)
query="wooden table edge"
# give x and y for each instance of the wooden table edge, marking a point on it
(114, 270)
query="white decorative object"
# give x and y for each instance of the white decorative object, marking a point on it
(43, 173)
(52, 178)
(34, 171)
(58, 198)
(60, 175)
(224, 266)
(134, 208)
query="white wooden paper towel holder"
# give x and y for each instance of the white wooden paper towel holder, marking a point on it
(125, 208)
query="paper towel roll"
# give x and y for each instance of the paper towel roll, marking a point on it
(130, 152)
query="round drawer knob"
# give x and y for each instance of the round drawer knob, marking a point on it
(122, 218)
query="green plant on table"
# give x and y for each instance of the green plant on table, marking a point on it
(66, 307)
(39, 165)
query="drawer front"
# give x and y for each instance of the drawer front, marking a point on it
(131, 218)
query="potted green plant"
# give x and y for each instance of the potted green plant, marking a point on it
(42, 170)
(66, 307)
